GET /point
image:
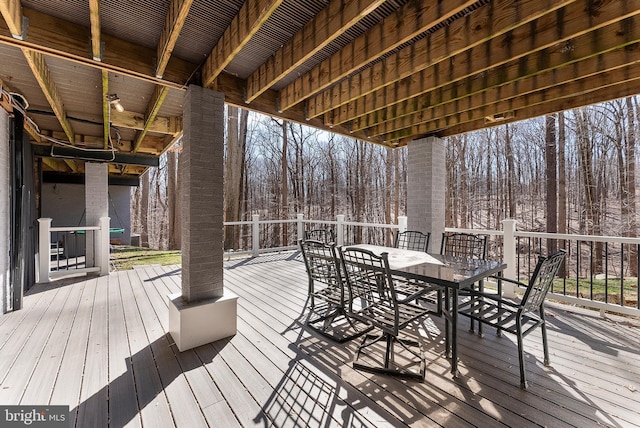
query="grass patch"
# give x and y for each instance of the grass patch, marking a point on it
(125, 257)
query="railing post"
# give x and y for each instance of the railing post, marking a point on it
(102, 246)
(340, 230)
(255, 234)
(509, 246)
(300, 227)
(402, 223)
(44, 249)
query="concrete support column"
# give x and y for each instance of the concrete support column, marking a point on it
(96, 202)
(426, 188)
(202, 166)
(204, 311)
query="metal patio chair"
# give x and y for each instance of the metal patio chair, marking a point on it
(465, 246)
(325, 284)
(322, 235)
(412, 240)
(373, 300)
(409, 290)
(519, 318)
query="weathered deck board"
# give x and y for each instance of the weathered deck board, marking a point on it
(100, 346)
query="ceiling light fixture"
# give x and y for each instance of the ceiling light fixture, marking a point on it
(115, 102)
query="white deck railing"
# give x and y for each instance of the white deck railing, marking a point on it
(96, 257)
(519, 249)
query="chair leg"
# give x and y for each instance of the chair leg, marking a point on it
(523, 378)
(326, 323)
(545, 345)
(389, 357)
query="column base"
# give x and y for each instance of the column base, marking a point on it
(202, 322)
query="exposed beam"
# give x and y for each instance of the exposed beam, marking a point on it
(491, 20)
(597, 95)
(605, 87)
(159, 94)
(96, 41)
(548, 67)
(161, 125)
(12, 13)
(548, 31)
(63, 39)
(555, 83)
(176, 17)
(411, 20)
(41, 72)
(60, 177)
(234, 90)
(330, 23)
(252, 15)
(106, 108)
(105, 156)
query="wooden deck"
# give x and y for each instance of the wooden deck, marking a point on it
(100, 346)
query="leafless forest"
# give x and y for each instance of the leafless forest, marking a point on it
(572, 172)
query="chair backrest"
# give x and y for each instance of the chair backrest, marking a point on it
(464, 245)
(412, 240)
(370, 286)
(541, 281)
(321, 262)
(322, 235)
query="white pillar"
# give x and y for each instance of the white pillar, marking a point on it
(102, 246)
(340, 230)
(255, 234)
(44, 249)
(96, 201)
(426, 185)
(300, 227)
(510, 256)
(402, 223)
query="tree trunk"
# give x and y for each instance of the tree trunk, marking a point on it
(562, 176)
(233, 177)
(284, 206)
(387, 193)
(551, 180)
(510, 174)
(631, 183)
(172, 200)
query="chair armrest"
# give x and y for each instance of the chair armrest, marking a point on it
(513, 281)
(493, 297)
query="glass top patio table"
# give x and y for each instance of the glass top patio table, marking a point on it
(453, 273)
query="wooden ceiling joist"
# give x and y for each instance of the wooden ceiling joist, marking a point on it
(66, 40)
(492, 20)
(176, 17)
(159, 94)
(106, 108)
(514, 79)
(514, 106)
(548, 31)
(233, 89)
(96, 41)
(11, 11)
(324, 28)
(41, 72)
(252, 15)
(138, 121)
(408, 22)
(608, 93)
